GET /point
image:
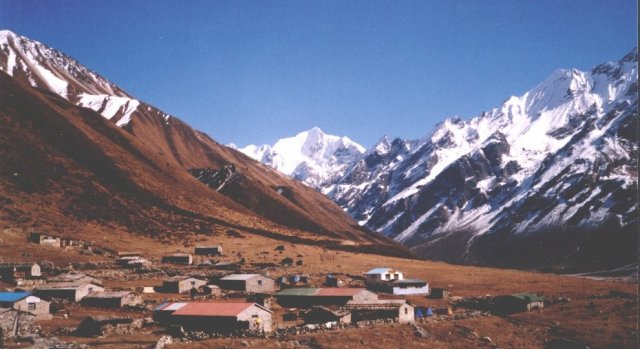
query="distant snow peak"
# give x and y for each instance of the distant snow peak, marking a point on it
(313, 157)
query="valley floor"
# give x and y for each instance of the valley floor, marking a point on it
(580, 312)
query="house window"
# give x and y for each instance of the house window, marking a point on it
(90, 289)
(193, 283)
(31, 306)
(387, 276)
(406, 311)
(259, 282)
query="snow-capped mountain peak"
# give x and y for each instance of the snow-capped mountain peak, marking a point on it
(41, 66)
(563, 154)
(311, 156)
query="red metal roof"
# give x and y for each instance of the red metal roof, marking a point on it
(338, 291)
(212, 309)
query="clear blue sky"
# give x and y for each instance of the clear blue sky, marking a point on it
(256, 71)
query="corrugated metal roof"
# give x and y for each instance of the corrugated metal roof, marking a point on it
(108, 294)
(378, 271)
(13, 296)
(212, 309)
(320, 291)
(379, 303)
(410, 281)
(306, 291)
(239, 277)
(170, 306)
(179, 278)
(161, 306)
(338, 291)
(67, 285)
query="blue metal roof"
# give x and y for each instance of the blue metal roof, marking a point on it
(378, 271)
(13, 296)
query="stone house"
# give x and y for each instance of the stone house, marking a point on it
(396, 309)
(208, 250)
(111, 299)
(222, 317)
(45, 239)
(324, 314)
(129, 254)
(94, 326)
(309, 297)
(178, 258)
(15, 271)
(181, 284)
(73, 291)
(517, 303)
(25, 302)
(439, 293)
(250, 283)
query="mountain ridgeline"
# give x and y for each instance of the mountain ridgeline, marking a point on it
(547, 180)
(108, 160)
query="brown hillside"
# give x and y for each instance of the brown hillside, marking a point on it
(66, 168)
(303, 209)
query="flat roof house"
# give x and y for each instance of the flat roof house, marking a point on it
(381, 276)
(309, 297)
(178, 258)
(393, 281)
(208, 250)
(182, 284)
(251, 283)
(111, 299)
(409, 286)
(25, 302)
(73, 291)
(220, 317)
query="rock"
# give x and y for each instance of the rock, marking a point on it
(487, 339)
(420, 332)
(244, 343)
(162, 342)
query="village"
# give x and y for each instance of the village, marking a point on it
(190, 296)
